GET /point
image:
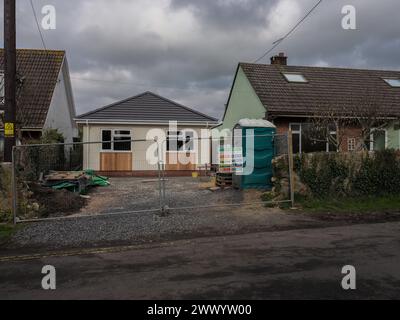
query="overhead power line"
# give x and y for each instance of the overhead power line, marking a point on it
(279, 41)
(38, 25)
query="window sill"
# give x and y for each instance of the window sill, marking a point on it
(116, 151)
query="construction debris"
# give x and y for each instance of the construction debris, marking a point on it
(75, 181)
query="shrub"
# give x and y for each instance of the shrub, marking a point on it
(348, 174)
(5, 194)
(379, 174)
(32, 161)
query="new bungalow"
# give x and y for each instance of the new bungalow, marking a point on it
(126, 130)
(293, 96)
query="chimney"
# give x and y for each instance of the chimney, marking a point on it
(280, 59)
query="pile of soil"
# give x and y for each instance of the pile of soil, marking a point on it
(54, 203)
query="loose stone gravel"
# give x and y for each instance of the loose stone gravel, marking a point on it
(147, 227)
(88, 228)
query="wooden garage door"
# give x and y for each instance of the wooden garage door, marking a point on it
(172, 162)
(116, 161)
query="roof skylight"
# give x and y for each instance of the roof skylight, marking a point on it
(393, 82)
(294, 77)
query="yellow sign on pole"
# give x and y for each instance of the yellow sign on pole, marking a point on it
(9, 129)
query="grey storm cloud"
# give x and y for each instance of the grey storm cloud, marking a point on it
(188, 50)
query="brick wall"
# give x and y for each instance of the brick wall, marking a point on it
(350, 133)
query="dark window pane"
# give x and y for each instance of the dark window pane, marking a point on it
(296, 142)
(313, 138)
(189, 143)
(332, 145)
(313, 144)
(174, 141)
(122, 132)
(122, 143)
(106, 136)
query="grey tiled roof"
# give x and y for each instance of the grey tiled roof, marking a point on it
(38, 70)
(325, 88)
(147, 107)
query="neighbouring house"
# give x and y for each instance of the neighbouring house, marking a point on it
(124, 132)
(44, 95)
(294, 97)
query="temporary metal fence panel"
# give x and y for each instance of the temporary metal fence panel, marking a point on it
(56, 181)
(201, 191)
(142, 179)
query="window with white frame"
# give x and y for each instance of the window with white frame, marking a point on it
(2, 87)
(116, 140)
(180, 141)
(351, 144)
(305, 141)
(296, 137)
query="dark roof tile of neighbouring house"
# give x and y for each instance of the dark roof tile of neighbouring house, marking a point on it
(38, 72)
(146, 107)
(323, 88)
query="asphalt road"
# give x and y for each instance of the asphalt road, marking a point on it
(296, 264)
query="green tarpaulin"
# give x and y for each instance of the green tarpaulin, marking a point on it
(81, 185)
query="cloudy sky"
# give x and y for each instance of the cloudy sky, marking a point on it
(188, 50)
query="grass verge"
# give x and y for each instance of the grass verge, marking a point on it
(350, 205)
(6, 232)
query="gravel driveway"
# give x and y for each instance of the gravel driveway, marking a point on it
(135, 194)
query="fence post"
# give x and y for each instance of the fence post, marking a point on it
(290, 162)
(14, 186)
(159, 177)
(165, 208)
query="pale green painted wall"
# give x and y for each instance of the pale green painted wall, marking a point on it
(244, 103)
(393, 137)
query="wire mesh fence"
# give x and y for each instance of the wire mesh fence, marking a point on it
(85, 179)
(56, 181)
(229, 182)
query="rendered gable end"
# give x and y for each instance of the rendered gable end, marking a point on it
(243, 102)
(62, 109)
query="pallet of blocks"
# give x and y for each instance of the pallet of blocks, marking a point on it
(224, 179)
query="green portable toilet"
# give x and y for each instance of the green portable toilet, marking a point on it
(253, 141)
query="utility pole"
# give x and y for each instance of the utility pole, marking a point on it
(10, 67)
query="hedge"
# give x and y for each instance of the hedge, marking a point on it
(344, 174)
(350, 174)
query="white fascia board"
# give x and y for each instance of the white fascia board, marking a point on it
(121, 122)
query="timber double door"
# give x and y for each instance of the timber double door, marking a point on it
(116, 161)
